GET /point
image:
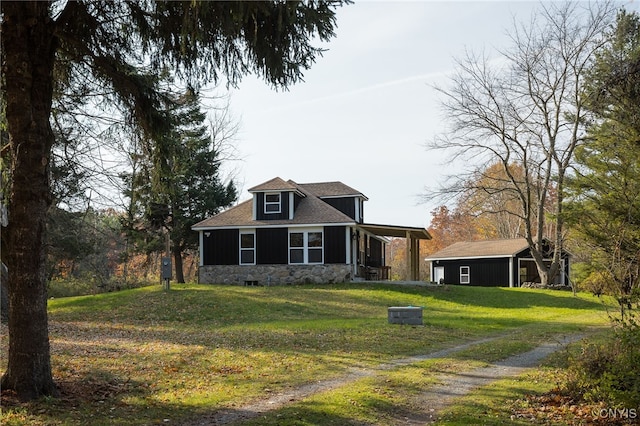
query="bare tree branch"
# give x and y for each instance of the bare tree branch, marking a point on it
(524, 112)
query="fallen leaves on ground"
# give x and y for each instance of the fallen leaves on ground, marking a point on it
(555, 407)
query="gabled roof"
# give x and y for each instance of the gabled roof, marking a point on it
(275, 184)
(478, 249)
(311, 210)
(331, 189)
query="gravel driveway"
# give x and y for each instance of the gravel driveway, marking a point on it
(433, 400)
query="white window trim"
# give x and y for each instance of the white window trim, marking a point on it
(271, 203)
(305, 245)
(241, 249)
(292, 202)
(467, 275)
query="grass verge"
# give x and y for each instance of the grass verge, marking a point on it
(145, 356)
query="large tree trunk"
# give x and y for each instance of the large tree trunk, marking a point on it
(28, 43)
(4, 293)
(177, 261)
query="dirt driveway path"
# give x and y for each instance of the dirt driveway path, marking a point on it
(452, 386)
(432, 401)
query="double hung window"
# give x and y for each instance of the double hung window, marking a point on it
(465, 275)
(306, 246)
(247, 248)
(272, 203)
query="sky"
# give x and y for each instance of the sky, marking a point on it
(367, 107)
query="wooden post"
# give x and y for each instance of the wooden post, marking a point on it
(416, 259)
(415, 252)
(408, 256)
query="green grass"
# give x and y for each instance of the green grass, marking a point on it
(144, 356)
(504, 401)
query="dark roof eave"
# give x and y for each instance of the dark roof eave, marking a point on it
(270, 224)
(396, 231)
(488, 256)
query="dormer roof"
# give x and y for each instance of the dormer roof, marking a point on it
(275, 184)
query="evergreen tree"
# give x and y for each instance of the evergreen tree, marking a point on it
(605, 206)
(120, 47)
(179, 184)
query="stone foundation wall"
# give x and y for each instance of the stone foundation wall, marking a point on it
(274, 274)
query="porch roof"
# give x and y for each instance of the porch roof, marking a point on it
(396, 231)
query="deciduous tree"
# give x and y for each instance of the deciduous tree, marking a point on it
(448, 227)
(489, 196)
(527, 108)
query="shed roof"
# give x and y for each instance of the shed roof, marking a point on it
(486, 248)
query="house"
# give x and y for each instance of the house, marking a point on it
(503, 263)
(298, 233)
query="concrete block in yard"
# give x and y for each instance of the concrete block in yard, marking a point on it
(411, 315)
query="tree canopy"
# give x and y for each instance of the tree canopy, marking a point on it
(604, 205)
(177, 182)
(119, 51)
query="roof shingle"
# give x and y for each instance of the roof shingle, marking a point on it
(487, 248)
(311, 210)
(331, 189)
(275, 184)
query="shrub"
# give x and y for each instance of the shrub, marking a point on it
(67, 287)
(609, 372)
(598, 283)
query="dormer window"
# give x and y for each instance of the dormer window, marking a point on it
(272, 203)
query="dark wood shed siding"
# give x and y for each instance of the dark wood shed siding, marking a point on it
(221, 247)
(483, 272)
(346, 205)
(272, 246)
(284, 207)
(335, 250)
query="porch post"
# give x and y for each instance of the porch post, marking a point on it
(415, 254)
(413, 257)
(408, 257)
(511, 272)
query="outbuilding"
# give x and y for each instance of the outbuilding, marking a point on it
(493, 263)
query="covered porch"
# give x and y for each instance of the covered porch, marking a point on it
(412, 235)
